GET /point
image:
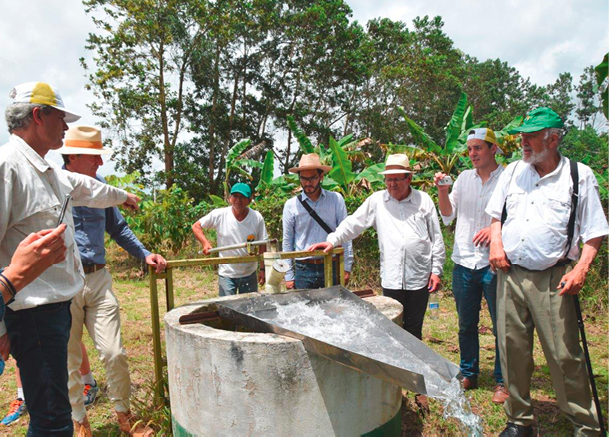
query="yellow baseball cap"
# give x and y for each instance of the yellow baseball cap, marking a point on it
(485, 134)
(43, 94)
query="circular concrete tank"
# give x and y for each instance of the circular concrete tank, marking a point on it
(228, 383)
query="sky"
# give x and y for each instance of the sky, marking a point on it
(42, 40)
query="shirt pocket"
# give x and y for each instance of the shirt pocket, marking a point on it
(514, 201)
(557, 211)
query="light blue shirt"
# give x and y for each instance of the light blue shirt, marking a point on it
(300, 230)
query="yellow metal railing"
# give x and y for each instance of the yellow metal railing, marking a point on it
(159, 361)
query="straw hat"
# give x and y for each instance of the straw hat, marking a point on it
(310, 162)
(43, 94)
(85, 140)
(396, 163)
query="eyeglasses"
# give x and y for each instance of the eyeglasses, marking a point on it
(304, 179)
(395, 180)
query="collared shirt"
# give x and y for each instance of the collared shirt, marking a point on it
(409, 237)
(31, 193)
(469, 198)
(300, 230)
(535, 232)
(90, 224)
(230, 231)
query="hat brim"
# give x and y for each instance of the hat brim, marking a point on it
(241, 193)
(394, 171)
(65, 150)
(70, 116)
(324, 169)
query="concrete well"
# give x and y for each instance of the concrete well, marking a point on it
(226, 382)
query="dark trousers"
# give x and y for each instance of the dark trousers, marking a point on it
(415, 305)
(39, 343)
(469, 285)
(310, 276)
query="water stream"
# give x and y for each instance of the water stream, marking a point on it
(344, 324)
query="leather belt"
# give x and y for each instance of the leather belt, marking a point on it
(316, 261)
(89, 269)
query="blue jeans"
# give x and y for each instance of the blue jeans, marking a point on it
(310, 276)
(39, 343)
(468, 287)
(242, 285)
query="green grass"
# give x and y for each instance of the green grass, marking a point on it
(440, 334)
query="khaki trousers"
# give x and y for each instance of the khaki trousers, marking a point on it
(529, 300)
(97, 308)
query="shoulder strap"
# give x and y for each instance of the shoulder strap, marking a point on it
(504, 211)
(574, 200)
(314, 215)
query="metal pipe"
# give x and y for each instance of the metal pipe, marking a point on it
(241, 245)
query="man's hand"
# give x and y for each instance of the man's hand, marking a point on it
(5, 346)
(326, 246)
(290, 284)
(572, 282)
(497, 257)
(132, 202)
(483, 237)
(157, 261)
(35, 254)
(261, 276)
(441, 187)
(347, 277)
(434, 283)
(206, 248)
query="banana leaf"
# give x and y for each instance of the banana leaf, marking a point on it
(468, 120)
(453, 129)
(419, 136)
(236, 150)
(266, 175)
(372, 173)
(465, 132)
(303, 140)
(602, 182)
(217, 201)
(341, 166)
(254, 164)
(507, 128)
(329, 184)
(345, 140)
(602, 71)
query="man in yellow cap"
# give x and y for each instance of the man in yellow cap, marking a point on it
(33, 190)
(472, 275)
(96, 306)
(542, 208)
(410, 240)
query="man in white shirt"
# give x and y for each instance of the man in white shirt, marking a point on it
(534, 259)
(472, 276)
(31, 195)
(234, 225)
(410, 240)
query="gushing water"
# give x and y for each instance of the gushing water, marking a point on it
(340, 323)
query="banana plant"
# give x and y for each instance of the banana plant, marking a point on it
(236, 163)
(602, 70)
(446, 157)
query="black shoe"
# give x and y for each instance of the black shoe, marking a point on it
(517, 430)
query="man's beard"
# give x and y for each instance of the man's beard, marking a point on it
(537, 157)
(310, 190)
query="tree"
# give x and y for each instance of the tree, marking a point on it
(588, 106)
(142, 57)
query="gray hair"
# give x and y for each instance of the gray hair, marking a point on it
(550, 131)
(19, 115)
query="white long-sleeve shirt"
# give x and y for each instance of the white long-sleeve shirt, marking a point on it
(32, 191)
(535, 232)
(469, 198)
(409, 237)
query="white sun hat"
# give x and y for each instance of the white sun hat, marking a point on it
(85, 140)
(397, 163)
(43, 94)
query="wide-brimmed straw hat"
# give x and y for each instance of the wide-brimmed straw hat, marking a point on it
(85, 140)
(310, 162)
(396, 163)
(43, 94)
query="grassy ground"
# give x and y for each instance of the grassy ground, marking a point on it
(440, 334)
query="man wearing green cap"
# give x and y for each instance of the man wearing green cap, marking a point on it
(235, 224)
(535, 260)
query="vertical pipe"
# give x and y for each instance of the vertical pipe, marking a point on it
(156, 337)
(169, 288)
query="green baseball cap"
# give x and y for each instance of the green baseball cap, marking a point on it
(243, 189)
(538, 119)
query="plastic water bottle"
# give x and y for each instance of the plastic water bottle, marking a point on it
(434, 309)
